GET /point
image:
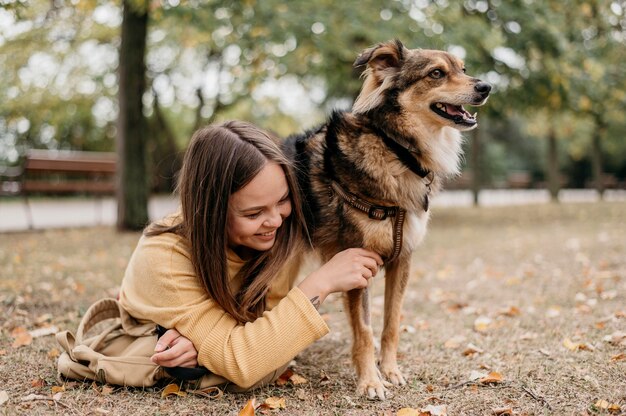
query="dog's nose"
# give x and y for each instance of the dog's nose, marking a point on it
(482, 88)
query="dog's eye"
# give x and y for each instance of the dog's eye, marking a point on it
(463, 70)
(437, 73)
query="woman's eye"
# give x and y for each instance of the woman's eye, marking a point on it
(282, 201)
(437, 73)
(253, 216)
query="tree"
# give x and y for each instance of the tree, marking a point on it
(132, 186)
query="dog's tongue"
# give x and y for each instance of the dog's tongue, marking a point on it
(454, 110)
(459, 113)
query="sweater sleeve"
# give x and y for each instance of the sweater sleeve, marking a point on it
(160, 285)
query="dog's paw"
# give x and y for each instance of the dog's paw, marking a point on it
(373, 388)
(394, 375)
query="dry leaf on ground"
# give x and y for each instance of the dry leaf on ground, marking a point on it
(21, 337)
(482, 323)
(577, 346)
(58, 389)
(430, 410)
(275, 403)
(209, 392)
(503, 411)
(298, 379)
(619, 357)
(284, 377)
(42, 332)
(454, 342)
(408, 411)
(248, 409)
(472, 349)
(605, 405)
(171, 389)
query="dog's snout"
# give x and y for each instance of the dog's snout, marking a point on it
(482, 88)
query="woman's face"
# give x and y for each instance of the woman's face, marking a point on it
(258, 209)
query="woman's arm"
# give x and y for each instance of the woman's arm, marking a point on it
(160, 285)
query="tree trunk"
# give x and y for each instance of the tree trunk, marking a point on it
(476, 171)
(132, 189)
(553, 166)
(596, 157)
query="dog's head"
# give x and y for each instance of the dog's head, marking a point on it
(428, 84)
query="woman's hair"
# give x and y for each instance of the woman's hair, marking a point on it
(220, 160)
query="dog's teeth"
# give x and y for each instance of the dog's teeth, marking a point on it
(440, 106)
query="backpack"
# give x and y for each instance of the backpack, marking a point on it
(119, 354)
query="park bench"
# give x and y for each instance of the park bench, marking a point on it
(60, 173)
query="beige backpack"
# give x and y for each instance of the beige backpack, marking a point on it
(119, 354)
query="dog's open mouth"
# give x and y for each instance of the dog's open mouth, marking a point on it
(455, 113)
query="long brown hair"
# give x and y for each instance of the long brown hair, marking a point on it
(220, 160)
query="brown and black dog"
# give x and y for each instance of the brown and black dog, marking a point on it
(367, 176)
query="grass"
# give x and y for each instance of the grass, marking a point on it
(525, 285)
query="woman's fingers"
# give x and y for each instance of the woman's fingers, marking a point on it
(175, 358)
(166, 340)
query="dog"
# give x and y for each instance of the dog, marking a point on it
(367, 176)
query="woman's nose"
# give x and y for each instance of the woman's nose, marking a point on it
(274, 220)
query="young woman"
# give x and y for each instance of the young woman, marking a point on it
(217, 273)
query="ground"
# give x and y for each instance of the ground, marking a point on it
(534, 295)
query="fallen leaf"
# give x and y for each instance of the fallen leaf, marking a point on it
(617, 338)
(4, 397)
(472, 349)
(172, 389)
(454, 342)
(482, 323)
(408, 411)
(619, 357)
(42, 332)
(573, 346)
(301, 394)
(493, 377)
(511, 311)
(38, 383)
(57, 389)
(477, 375)
(503, 411)
(57, 396)
(605, 405)
(209, 392)
(284, 377)
(408, 329)
(42, 319)
(553, 312)
(298, 379)
(21, 337)
(248, 409)
(440, 410)
(106, 390)
(54, 353)
(275, 402)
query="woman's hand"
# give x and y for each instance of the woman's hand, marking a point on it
(174, 350)
(347, 270)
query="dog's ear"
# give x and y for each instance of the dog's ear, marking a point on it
(382, 56)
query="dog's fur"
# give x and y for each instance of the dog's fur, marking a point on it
(399, 98)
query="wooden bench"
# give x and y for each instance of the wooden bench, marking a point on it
(60, 173)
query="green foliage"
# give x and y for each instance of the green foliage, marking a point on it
(553, 63)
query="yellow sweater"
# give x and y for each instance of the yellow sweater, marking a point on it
(160, 286)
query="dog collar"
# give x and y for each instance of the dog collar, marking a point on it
(375, 212)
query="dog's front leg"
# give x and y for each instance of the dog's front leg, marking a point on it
(396, 278)
(363, 355)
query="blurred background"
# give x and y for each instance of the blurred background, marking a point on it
(555, 118)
